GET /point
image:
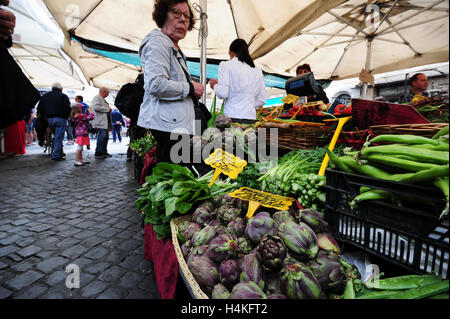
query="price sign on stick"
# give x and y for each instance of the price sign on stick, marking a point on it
(290, 98)
(258, 198)
(225, 163)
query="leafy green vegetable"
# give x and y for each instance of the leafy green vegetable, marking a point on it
(143, 145)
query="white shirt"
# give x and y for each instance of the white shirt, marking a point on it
(244, 88)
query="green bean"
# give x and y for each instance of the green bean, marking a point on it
(420, 155)
(404, 139)
(439, 296)
(422, 292)
(403, 282)
(442, 132)
(371, 195)
(425, 175)
(349, 292)
(441, 147)
(401, 163)
(381, 294)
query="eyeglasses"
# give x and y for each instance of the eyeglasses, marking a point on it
(177, 14)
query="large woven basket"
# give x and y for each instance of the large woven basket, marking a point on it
(426, 130)
(294, 137)
(188, 278)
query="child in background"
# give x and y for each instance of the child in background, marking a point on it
(82, 132)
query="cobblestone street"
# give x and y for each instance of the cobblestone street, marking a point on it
(53, 214)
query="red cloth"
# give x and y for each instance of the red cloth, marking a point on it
(15, 138)
(162, 254)
(150, 162)
(366, 113)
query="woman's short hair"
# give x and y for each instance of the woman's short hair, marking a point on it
(303, 67)
(162, 7)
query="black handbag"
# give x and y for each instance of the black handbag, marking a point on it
(202, 113)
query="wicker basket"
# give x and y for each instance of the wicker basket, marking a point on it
(426, 130)
(294, 137)
(185, 273)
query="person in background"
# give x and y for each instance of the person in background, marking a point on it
(170, 94)
(101, 122)
(29, 128)
(84, 106)
(419, 84)
(81, 128)
(55, 106)
(241, 83)
(322, 96)
(117, 123)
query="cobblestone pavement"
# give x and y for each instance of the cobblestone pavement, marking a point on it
(53, 214)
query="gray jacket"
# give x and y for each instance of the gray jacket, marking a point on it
(166, 105)
(101, 111)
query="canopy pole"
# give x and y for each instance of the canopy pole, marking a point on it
(367, 67)
(204, 36)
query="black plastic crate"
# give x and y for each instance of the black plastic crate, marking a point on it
(411, 236)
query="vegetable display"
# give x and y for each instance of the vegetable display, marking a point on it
(143, 145)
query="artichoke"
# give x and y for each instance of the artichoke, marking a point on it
(222, 247)
(202, 216)
(222, 122)
(236, 227)
(298, 282)
(204, 270)
(203, 237)
(251, 269)
(220, 229)
(227, 213)
(247, 290)
(326, 242)
(260, 225)
(187, 229)
(229, 272)
(197, 251)
(313, 219)
(329, 271)
(220, 292)
(299, 238)
(186, 249)
(244, 246)
(220, 200)
(272, 252)
(282, 216)
(272, 283)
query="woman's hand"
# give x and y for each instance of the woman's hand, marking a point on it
(212, 83)
(198, 89)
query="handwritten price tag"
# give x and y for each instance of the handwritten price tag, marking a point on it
(258, 198)
(225, 163)
(290, 98)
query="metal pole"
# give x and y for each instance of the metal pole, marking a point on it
(204, 35)
(367, 67)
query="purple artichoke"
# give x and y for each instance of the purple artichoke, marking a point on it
(222, 122)
(326, 242)
(187, 229)
(221, 200)
(329, 271)
(236, 227)
(203, 237)
(259, 226)
(298, 282)
(220, 229)
(313, 219)
(299, 238)
(202, 216)
(204, 270)
(222, 247)
(272, 252)
(220, 292)
(186, 249)
(197, 251)
(229, 272)
(214, 223)
(227, 213)
(244, 246)
(247, 290)
(251, 269)
(282, 216)
(277, 296)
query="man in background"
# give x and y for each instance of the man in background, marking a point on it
(419, 84)
(101, 122)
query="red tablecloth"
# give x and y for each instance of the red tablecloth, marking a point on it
(15, 138)
(162, 254)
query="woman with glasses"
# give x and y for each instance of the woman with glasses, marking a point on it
(170, 93)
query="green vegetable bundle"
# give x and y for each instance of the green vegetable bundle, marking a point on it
(408, 159)
(403, 287)
(143, 145)
(172, 190)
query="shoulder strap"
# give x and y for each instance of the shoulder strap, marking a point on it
(186, 74)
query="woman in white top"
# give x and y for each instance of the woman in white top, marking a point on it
(241, 83)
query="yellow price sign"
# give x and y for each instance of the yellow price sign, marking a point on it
(290, 98)
(225, 163)
(258, 198)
